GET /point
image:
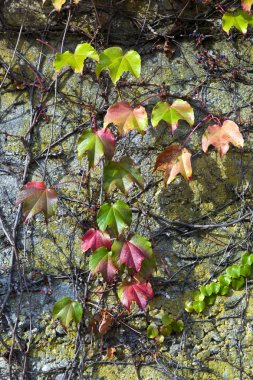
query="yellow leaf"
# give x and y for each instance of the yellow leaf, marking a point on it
(58, 4)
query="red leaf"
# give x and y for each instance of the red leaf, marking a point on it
(135, 291)
(36, 197)
(173, 161)
(133, 252)
(246, 5)
(108, 140)
(127, 118)
(94, 239)
(221, 136)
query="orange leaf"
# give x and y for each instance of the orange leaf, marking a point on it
(173, 161)
(127, 118)
(246, 5)
(110, 351)
(221, 136)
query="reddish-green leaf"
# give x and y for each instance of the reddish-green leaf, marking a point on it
(246, 5)
(137, 291)
(127, 118)
(221, 136)
(171, 114)
(173, 161)
(103, 262)
(36, 197)
(94, 239)
(122, 174)
(133, 252)
(98, 144)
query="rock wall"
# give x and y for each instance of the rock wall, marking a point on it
(197, 228)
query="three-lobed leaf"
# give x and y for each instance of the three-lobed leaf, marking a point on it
(137, 291)
(36, 197)
(239, 19)
(67, 310)
(122, 174)
(171, 114)
(94, 239)
(97, 144)
(221, 136)
(118, 216)
(127, 118)
(114, 60)
(104, 262)
(132, 252)
(75, 60)
(173, 161)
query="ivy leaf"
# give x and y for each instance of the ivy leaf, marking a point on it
(122, 174)
(67, 310)
(136, 291)
(234, 271)
(117, 216)
(237, 283)
(114, 60)
(36, 197)
(198, 306)
(76, 60)
(133, 252)
(221, 136)
(171, 114)
(98, 144)
(127, 118)
(152, 331)
(239, 19)
(247, 258)
(173, 161)
(245, 270)
(58, 4)
(246, 5)
(167, 320)
(103, 262)
(94, 239)
(177, 326)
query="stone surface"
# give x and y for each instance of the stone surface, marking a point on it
(216, 344)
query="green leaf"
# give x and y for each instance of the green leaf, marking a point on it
(224, 290)
(76, 60)
(210, 300)
(171, 114)
(114, 60)
(166, 330)
(237, 283)
(212, 288)
(177, 326)
(103, 262)
(245, 270)
(122, 174)
(167, 320)
(199, 306)
(247, 258)
(188, 306)
(234, 271)
(239, 19)
(224, 280)
(152, 331)
(199, 297)
(97, 144)
(67, 310)
(117, 216)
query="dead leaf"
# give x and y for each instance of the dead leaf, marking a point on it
(173, 161)
(110, 351)
(221, 136)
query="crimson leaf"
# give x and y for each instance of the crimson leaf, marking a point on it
(94, 239)
(137, 290)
